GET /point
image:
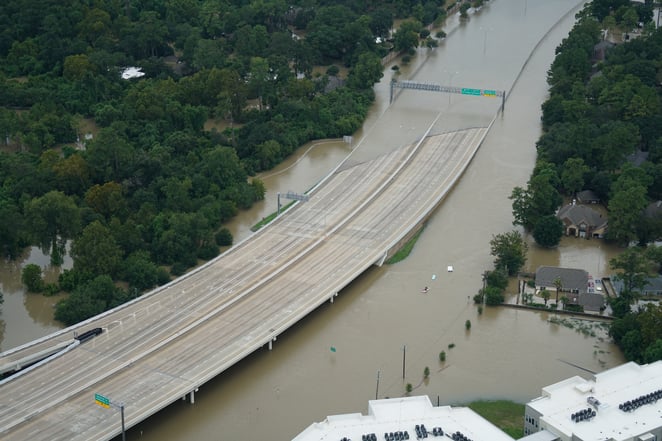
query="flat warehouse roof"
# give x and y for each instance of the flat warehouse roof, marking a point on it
(618, 404)
(400, 415)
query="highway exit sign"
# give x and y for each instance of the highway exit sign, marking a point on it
(102, 401)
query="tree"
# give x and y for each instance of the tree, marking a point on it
(497, 279)
(107, 200)
(110, 155)
(539, 199)
(653, 352)
(96, 251)
(223, 237)
(523, 210)
(141, 272)
(54, 218)
(89, 300)
(493, 296)
(406, 37)
(558, 284)
(260, 78)
(366, 72)
(564, 301)
(635, 267)
(548, 231)
(12, 234)
(572, 176)
(31, 278)
(545, 295)
(545, 198)
(72, 174)
(625, 208)
(509, 250)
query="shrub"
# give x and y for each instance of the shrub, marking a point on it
(409, 388)
(574, 308)
(333, 70)
(426, 372)
(224, 237)
(31, 278)
(467, 325)
(442, 356)
(493, 296)
(208, 251)
(451, 345)
(51, 289)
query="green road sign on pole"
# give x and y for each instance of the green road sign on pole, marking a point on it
(101, 400)
(467, 91)
(105, 402)
(489, 93)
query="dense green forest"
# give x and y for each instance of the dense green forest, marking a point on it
(146, 195)
(602, 131)
(599, 116)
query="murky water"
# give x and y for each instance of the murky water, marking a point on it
(383, 316)
(26, 316)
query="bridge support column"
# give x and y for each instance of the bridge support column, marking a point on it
(334, 295)
(271, 343)
(193, 395)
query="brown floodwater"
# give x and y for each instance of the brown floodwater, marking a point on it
(383, 317)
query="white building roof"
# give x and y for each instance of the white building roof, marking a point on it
(611, 388)
(403, 415)
(132, 72)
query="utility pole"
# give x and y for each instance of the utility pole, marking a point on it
(377, 390)
(404, 355)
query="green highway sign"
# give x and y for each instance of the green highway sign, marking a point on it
(101, 400)
(490, 93)
(466, 91)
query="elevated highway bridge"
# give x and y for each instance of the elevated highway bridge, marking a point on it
(166, 344)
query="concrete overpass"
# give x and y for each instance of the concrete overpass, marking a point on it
(166, 344)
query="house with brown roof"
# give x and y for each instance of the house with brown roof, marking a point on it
(582, 221)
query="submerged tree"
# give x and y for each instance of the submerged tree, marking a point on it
(510, 251)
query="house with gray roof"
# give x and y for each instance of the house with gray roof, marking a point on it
(574, 286)
(653, 286)
(588, 197)
(573, 281)
(582, 221)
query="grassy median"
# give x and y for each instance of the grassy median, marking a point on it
(506, 415)
(403, 252)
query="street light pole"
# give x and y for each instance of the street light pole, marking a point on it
(123, 431)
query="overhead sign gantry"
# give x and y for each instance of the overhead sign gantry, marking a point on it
(431, 87)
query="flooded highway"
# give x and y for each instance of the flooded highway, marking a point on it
(383, 317)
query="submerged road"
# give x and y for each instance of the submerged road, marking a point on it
(167, 343)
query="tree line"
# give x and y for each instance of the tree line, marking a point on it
(147, 197)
